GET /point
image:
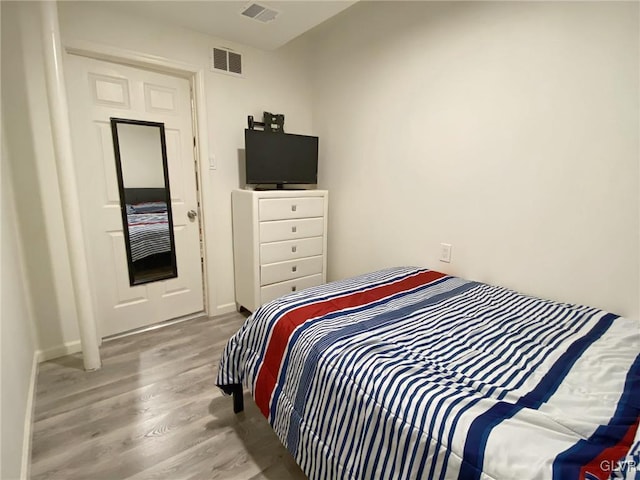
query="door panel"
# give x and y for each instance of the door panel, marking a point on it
(161, 99)
(108, 184)
(100, 90)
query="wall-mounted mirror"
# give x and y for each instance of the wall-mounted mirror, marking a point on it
(145, 200)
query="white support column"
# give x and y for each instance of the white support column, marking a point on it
(61, 130)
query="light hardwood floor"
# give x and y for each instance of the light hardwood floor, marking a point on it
(152, 412)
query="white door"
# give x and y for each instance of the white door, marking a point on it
(97, 91)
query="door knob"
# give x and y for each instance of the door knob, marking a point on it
(192, 214)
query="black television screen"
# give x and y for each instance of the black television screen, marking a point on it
(280, 158)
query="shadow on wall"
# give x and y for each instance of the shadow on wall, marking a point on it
(242, 168)
(21, 141)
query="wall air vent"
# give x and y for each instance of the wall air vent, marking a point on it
(259, 12)
(226, 60)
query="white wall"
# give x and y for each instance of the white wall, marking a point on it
(28, 138)
(273, 81)
(507, 129)
(17, 340)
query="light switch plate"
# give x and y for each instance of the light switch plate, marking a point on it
(445, 252)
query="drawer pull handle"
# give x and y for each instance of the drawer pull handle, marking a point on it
(294, 229)
(294, 208)
(293, 289)
(294, 249)
(294, 268)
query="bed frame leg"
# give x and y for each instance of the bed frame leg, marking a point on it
(238, 398)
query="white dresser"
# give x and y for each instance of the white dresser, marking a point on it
(279, 243)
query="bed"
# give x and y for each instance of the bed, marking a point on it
(411, 373)
(148, 225)
(148, 229)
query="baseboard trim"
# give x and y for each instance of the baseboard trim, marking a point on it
(155, 326)
(25, 468)
(68, 348)
(224, 309)
(75, 346)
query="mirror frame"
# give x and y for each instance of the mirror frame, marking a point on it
(123, 204)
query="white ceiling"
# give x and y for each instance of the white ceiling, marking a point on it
(223, 19)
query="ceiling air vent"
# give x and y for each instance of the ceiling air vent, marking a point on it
(225, 60)
(259, 12)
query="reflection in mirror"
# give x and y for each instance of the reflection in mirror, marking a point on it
(145, 200)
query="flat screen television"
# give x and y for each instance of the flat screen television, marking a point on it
(280, 158)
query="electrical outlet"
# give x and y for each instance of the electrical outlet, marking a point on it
(445, 252)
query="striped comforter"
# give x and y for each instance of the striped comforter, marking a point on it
(148, 234)
(410, 373)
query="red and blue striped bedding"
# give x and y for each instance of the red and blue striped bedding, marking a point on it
(410, 373)
(148, 234)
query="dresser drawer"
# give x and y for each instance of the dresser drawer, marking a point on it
(289, 229)
(276, 290)
(279, 272)
(285, 208)
(290, 250)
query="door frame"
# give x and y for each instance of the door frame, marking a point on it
(196, 77)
